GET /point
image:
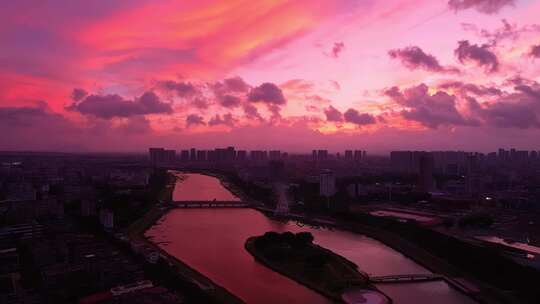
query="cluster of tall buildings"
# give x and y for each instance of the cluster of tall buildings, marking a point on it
(456, 162)
(349, 155)
(160, 155)
(472, 166)
(514, 155)
(229, 154)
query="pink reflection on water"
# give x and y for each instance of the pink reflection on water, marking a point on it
(199, 187)
(212, 241)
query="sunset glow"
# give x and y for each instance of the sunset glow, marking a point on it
(413, 74)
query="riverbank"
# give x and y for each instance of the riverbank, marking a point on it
(320, 269)
(341, 223)
(457, 278)
(454, 276)
(136, 233)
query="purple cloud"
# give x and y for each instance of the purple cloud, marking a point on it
(78, 94)
(333, 114)
(268, 93)
(113, 105)
(227, 120)
(506, 113)
(479, 54)
(27, 116)
(532, 91)
(200, 103)
(393, 93)
(229, 101)
(182, 89)
(361, 119)
(508, 31)
(465, 88)
(236, 84)
(535, 51)
(414, 57)
(37, 128)
(337, 49)
(136, 125)
(483, 6)
(194, 119)
(229, 86)
(431, 111)
(251, 112)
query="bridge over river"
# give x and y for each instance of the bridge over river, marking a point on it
(406, 278)
(210, 204)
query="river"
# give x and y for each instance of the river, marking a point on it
(212, 242)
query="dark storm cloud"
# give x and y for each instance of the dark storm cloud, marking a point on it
(333, 114)
(479, 54)
(414, 57)
(268, 93)
(353, 116)
(113, 105)
(194, 119)
(482, 6)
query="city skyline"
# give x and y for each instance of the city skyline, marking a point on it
(403, 74)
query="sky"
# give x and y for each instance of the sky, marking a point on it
(292, 75)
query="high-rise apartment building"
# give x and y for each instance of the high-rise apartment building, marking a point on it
(426, 182)
(327, 183)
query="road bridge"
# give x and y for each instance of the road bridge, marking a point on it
(210, 204)
(406, 278)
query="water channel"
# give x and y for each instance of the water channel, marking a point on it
(212, 242)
